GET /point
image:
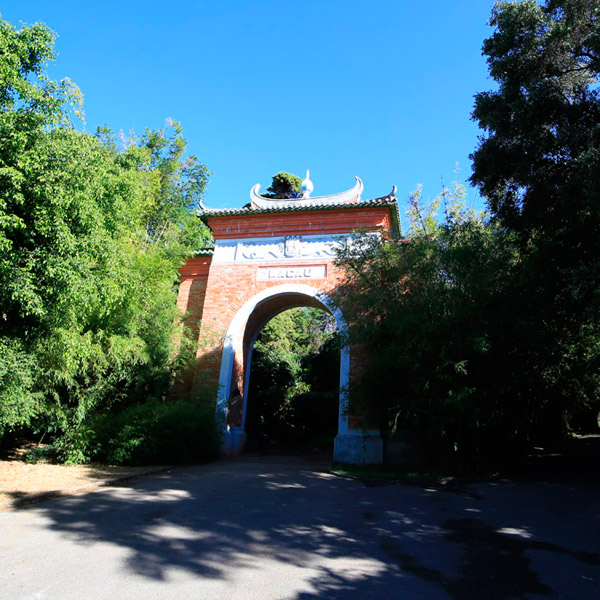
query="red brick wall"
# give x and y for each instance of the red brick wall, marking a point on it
(325, 222)
(190, 301)
(228, 288)
(212, 294)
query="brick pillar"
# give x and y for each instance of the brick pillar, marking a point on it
(190, 301)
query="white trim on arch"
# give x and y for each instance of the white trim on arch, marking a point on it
(236, 329)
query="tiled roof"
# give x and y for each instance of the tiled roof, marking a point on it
(209, 251)
(384, 201)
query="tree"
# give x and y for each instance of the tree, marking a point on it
(91, 238)
(539, 160)
(537, 165)
(427, 312)
(173, 184)
(539, 154)
(284, 186)
(29, 103)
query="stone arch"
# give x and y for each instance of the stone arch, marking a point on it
(239, 341)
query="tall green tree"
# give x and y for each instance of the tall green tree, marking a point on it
(29, 105)
(538, 161)
(91, 237)
(538, 156)
(537, 164)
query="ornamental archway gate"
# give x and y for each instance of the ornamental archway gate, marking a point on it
(274, 255)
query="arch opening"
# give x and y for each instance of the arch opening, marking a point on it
(292, 384)
(245, 327)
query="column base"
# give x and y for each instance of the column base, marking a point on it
(358, 448)
(234, 440)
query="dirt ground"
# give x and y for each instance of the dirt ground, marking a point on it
(19, 478)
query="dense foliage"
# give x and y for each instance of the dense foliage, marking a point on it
(484, 332)
(284, 185)
(91, 237)
(426, 312)
(538, 164)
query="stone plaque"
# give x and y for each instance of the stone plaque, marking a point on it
(287, 273)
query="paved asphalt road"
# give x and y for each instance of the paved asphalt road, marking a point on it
(285, 528)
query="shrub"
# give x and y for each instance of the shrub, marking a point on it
(155, 432)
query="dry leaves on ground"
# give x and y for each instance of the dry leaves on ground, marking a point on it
(19, 479)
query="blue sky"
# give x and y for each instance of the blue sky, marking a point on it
(381, 89)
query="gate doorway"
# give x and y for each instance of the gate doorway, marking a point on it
(293, 386)
(238, 350)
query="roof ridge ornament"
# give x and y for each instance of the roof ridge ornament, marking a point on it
(307, 186)
(349, 196)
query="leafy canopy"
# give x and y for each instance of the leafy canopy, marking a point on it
(423, 312)
(538, 164)
(284, 186)
(91, 238)
(538, 157)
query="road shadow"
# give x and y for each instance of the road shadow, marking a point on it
(340, 537)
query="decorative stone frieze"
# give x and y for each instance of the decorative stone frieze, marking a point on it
(283, 249)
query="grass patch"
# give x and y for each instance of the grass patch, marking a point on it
(384, 473)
